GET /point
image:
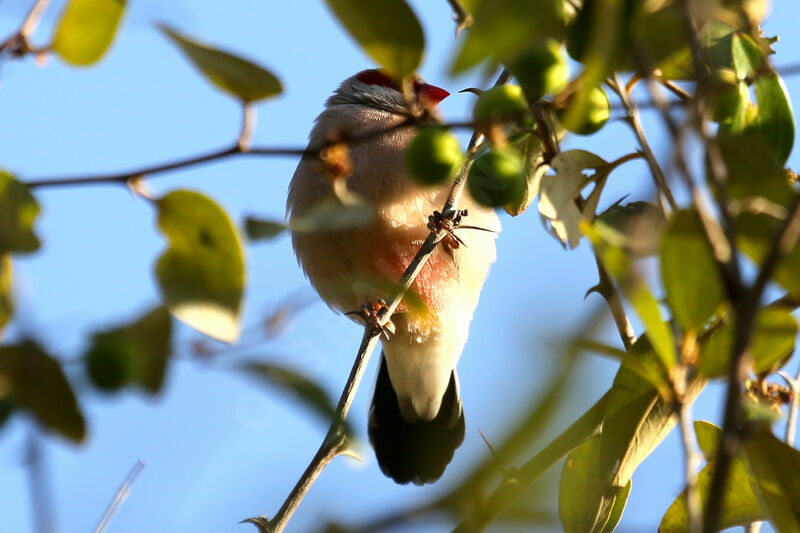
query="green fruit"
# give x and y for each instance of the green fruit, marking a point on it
(595, 116)
(497, 177)
(500, 103)
(723, 95)
(541, 70)
(109, 362)
(434, 156)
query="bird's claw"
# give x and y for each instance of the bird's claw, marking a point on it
(446, 225)
(372, 313)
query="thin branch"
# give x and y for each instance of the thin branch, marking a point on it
(605, 288)
(745, 310)
(635, 123)
(41, 501)
(248, 127)
(230, 151)
(119, 497)
(691, 454)
(791, 424)
(19, 43)
(335, 440)
(461, 16)
(333, 444)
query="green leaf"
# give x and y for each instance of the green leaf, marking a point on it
(635, 227)
(708, 436)
(771, 346)
(636, 292)
(202, 273)
(640, 358)
(37, 384)
(86, 30)
(755, 234)
(689, 271)
(753, 172)
(774, 123)
(557, 192)
(775, 469)
(635, 423)
(388, 31)
(740, 506)
(258, 229)
(6, 296)
(532, 150)
(140, 349)
(233, 74)
(18, 212)
(331, 214)
(620, 500)
(294, 383)
(584, 506)
(504, 28)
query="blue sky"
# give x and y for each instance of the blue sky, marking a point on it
(220, 447)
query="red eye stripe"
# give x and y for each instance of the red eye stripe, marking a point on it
(376, 77)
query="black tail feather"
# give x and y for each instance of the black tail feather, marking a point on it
(415, 452)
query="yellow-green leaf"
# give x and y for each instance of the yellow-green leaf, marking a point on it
(504, 28)
(689, 271)
(775, 470)
(233, 74)
(6, 297)
(388, 31)
(18, 212)
(202, 273)
(755, 235)
(740, 506)
(772, 343)
(37, 384)
(86, 30)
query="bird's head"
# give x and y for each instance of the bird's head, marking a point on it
(373, 88)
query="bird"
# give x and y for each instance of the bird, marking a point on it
(416, 418)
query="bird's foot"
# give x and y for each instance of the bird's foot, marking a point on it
(447, 224)
(372, 313)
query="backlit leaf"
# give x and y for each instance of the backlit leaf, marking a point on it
(755, 234)
(18, 212)
(202, 273)
(775, 470)
(34, 381)
(557, 192)
(774, 123)
(233, 74)
(86, 30)
(388, 31)
(740, 506)
(772, 343)
(583, 505)
(689, 271)
(532, 151)
(504, 28)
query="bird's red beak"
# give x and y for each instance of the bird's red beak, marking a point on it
(431, 94)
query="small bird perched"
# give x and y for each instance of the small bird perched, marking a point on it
(416, 420)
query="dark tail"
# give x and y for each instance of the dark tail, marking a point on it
(416, 452)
